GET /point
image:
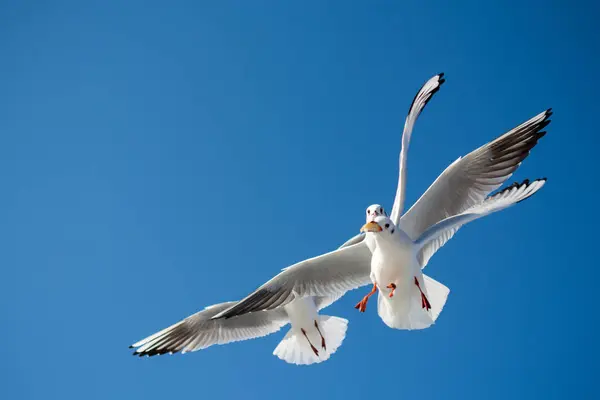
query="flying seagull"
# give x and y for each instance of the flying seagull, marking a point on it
(464, 184)
(312, 338)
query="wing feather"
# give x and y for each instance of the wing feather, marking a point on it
(330, 274)
(436, 236)
(199, 331)
(468, 180)
(416, 107)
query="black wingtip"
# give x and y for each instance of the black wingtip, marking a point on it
(517, 185)
(526, 183)
(441, 78)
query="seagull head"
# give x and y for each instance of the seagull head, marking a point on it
(373, 211)
(380, 224)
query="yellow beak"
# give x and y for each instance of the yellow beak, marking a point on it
(371, 227)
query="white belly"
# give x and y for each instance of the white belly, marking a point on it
(395, 263)
(302, 313)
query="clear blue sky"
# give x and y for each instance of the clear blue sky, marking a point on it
(157, 157)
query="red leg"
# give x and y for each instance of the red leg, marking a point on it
(362, 305)
(314, 349)
(424, 302)
(323, 346)
(393, 287)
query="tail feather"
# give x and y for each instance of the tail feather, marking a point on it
(437, 294)
(400, 312)
(295, 349)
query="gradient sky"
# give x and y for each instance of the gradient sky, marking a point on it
(158, 157)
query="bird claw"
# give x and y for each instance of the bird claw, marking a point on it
(314, 349)
(393, 287)
(424, 301)
(362, 305)
(323, 346)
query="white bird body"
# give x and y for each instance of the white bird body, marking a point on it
(394, 260)
(394, 269)
(302, 312)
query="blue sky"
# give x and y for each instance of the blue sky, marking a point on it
(159, 157)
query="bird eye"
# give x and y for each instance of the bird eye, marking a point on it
(387, 226)
(381, 210)
(368, 212)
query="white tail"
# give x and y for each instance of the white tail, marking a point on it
(437, 294)
(401, 312)
(295, 348)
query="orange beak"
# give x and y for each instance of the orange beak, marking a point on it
(371, 227)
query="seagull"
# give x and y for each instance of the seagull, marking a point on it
(465, 183)
(405, 301)
(313, 338)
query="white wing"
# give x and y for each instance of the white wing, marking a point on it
(418, 104)
(199, 331)
(436, 236)
(330, 274)
(325, 301)
(468, 180)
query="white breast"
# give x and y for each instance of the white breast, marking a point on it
(393, 261)
(302, 312)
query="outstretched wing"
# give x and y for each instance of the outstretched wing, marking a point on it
(199, 331)
(330, 274)
(418, 104)
(436, 236)
(468, 180)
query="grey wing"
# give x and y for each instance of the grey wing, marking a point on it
(325, 301)
(199, 331)
(330, 274)
(468, 180)
(437, 235)
(418, 104)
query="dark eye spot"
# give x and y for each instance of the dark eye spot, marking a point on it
(387, 226)
(368, 212)
(392, 231)
(381, 210)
